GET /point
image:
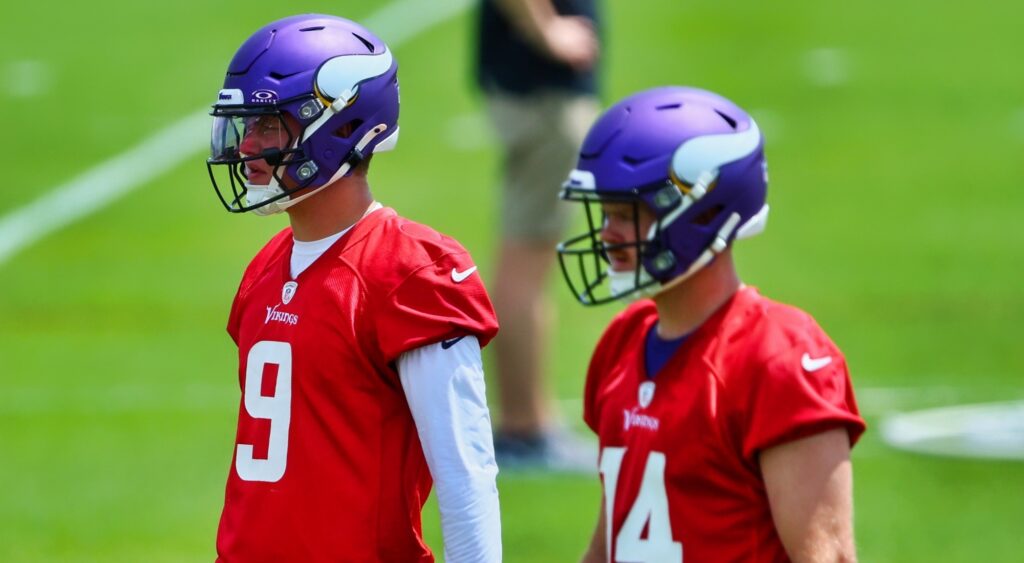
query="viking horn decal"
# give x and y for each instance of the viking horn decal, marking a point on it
(710, 152)
(339, 78)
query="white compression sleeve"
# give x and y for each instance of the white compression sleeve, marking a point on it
(445, 391)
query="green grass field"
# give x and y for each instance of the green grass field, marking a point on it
(895, 136)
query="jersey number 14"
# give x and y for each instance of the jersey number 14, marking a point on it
(649, 510)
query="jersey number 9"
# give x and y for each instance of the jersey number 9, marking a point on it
(277, 409)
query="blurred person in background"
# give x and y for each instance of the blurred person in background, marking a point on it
(725, 419)
(358, 331)
(537, 63)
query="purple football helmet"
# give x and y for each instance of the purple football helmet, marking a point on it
(695, 159)
(327, 85)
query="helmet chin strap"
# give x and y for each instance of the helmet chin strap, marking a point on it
(623, 285)
(273, 189)
(717, 246)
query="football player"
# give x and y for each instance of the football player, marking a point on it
(358, 331)
(725, 419)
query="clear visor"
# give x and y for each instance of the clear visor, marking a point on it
(252, 149)
(237, 137)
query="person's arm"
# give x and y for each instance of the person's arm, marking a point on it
(570, 40)
(597, 551)
(445, 391)
(809, 482)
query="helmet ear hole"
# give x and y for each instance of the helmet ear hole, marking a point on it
(346, 130)
(705, 218)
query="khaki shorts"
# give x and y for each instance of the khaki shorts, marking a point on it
(541, 136)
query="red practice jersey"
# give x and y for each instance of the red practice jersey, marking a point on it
(327, 464)
(679, 452)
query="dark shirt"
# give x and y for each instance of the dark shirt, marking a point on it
(658, 351)
(507, 62)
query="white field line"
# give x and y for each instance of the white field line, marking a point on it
(987, 430)
(402, 20)
(108, 181)
(99, 186)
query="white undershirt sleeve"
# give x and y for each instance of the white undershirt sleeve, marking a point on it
(446, 394)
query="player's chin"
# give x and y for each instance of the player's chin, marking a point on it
(620, 260)
(620, 266)
(258, 178)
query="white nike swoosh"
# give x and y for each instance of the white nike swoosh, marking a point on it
(459, 277)
(814, 364)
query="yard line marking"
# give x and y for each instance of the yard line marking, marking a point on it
(111, 180)
(986, 430)
(400, 21)
(96, 188)
(27, 78)
(1017, 124)
(827, 67)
